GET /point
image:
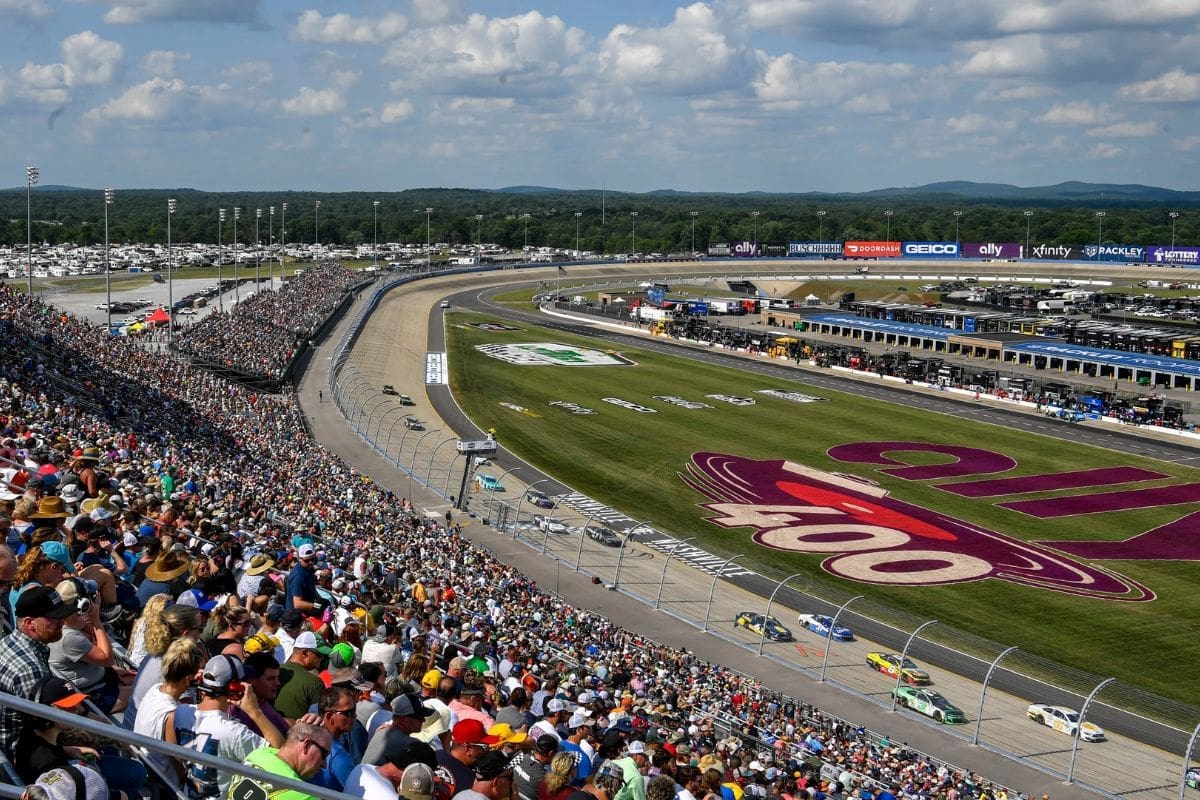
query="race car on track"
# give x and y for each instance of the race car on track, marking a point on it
(489, 483)
(822, 625)
(930, 703)
(889, 664)
(539, 498)
(1065, 720)
(605, 536)
(549, 524)
(755, 623)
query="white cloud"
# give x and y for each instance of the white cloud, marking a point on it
(1106, 150)
(1175, 86)
(1005, 58)
(249, 73)
(436, 12)
(1126, 130)
(24, 10)
(345, 29)
(691, 53)
(90, 59)
(975, 123)
(788, 83)
(1187, 144)
(396, 111)
(45, 84)
(1076, 112)
(148, 101)
(524, 54)
(131, 12)
(1092, 15)
(314, 102)
(164, 63)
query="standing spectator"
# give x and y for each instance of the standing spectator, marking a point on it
(579, 728)
(634, 766)
(25, 654)
(560, 775)
(302, 583)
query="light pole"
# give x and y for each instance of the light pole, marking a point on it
(428, 249)
(271, 247)
(1100, 215)
(1174, 215)
(1028, 217)
(821, 225)
(375, 254)
(525, 217)
(888, 214)
(220, 258)
(31, 179)
(578, 217)
(633, 234)
(282, 241)
(108, 201)
(755, 215)
(693, 215)
(237, 260)
(957, 214)
(478, 238)
(171, 205)
(257, 251)
(316, 232)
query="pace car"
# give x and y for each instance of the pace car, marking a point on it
(1065, 720)
(756, 623)
(930, 703)
(889, 664)
(822, 625)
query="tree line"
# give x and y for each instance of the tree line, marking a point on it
(664, 221)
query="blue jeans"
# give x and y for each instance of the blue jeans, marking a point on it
(121, 774)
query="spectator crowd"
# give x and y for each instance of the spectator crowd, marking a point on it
(181, 557)
(259, 335)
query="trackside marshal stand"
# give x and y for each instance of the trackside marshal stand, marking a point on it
(480, 448)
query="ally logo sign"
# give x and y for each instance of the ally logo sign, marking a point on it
(873, 538)
(540, 354)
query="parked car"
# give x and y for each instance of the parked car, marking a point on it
(757, 623)
(605, 536)
(549, 524)
(539, 498)
(489, 483)
(890, 664)
(1065, 720)
(822, 625)
(930, 703)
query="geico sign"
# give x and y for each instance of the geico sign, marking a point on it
(930, 249)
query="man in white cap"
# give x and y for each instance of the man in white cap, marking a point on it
(556, 713)
(302, 583)
(634, 765)
(579, 727)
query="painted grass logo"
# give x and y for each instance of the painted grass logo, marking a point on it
(541, 354)
(495, 327)
(790, 396)
(872, 538)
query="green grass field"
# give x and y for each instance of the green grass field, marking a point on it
(632, 461)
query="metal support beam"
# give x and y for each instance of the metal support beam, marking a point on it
(712, 591)
(832, 625)
(983, 693)
(762, 639)
(663, 579)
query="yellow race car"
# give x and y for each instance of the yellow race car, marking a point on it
(890, 664)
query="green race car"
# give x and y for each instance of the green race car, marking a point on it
(930, 703)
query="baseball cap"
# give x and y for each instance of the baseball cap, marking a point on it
(42, 601)
(60, 694)
(416, 783)
(636, 747)
(61, 784)
(306, 550)
(57, 551)
(430, 679)
(341, 655)
(409, 705)
(555, 705)
(578, 721)
(471, 731)
(221, 672)
(292, 618)
(401, 751)
(504, 732)
(547, 743)
(129, 540)
(310, 641)
(492, 765)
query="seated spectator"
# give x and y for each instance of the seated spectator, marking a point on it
(180, 668)
(84, 654)
(299, 758)
(70, 782)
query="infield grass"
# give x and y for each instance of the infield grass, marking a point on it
(632, 461)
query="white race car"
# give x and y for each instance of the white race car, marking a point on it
(1065, 720)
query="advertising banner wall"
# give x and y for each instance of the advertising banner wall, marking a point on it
(930, 250)
(814, 249)
(1115, 252)
(991, 250)
(871, 250)
(719, 249)
(745, 249)
(1173, 255)
(1051, 252)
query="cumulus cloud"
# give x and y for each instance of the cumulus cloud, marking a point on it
(395, 111)
(1175, 86)
(692, 52)
(789, 83)
(436, 12)
(148, 101)
(87, 60)
(249, 73)
(314, 102)
(1126, 130)
(24, 10)
(976, 123)
(131, 12)
(529, 53)
(1076, 112)
(345, 29)
(1106, 150)
(164, 63)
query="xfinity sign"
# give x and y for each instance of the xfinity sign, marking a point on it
(930, 250)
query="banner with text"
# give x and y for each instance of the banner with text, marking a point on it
(991, 250)
(745, 249)
(1055, 252)
(1173, 255)
(809, 249)
(871, 250)
(930, 250)
(1115, 252)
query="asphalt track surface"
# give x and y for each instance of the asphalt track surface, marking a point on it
(1148, 774)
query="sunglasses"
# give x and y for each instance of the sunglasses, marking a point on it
(345, 712)
(324, 750)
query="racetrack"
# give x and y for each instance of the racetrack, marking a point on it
(392, 350)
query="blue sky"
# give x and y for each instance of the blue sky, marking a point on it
(725, 95)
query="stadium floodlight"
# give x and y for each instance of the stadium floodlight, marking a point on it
(1100, 215)
(237, 258)
(888, 214)
(957, 216)
(693, 215)
(31, 179)
(633, 215)
(375, 252)
(1174, 215)
(821, 225)
(171, 207)
(220, 258)
(109, 196)
(1028, 217)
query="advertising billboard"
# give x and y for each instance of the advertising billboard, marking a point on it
(871, 250)
(1173, 255)
(1115, 252)
(930, 250)
(810, 249)
(1052, 252)
(719, 249)
(991, 250)
(745, 249)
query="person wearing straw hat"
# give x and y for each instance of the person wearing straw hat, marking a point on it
(256, 586)
(168, 574)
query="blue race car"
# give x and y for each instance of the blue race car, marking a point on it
(821, 624)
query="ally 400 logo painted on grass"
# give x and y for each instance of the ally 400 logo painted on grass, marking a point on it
(873, 538)
(540, 354)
